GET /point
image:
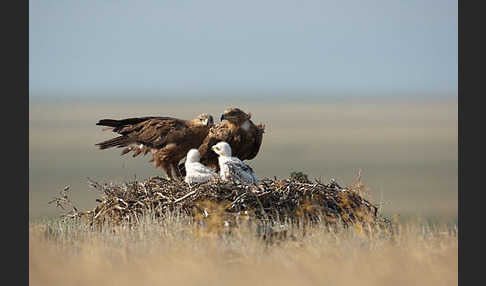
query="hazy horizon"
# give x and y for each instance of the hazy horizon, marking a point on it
(221, 95)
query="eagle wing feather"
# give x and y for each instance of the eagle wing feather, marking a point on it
(258, 141)
(152, 132)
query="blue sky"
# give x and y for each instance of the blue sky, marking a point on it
(347, 45)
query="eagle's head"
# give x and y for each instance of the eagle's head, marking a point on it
(235, 115)
(193, 156)
(222, 149)
(204, 119)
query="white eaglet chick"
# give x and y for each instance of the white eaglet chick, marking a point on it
(232, 168)
(195, 171)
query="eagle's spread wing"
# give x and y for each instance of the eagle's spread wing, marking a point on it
(150, 132)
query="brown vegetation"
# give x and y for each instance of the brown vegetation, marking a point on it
(178, 251)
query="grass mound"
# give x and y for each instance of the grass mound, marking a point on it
(295, 199)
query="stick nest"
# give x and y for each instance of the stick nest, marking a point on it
(272, 200)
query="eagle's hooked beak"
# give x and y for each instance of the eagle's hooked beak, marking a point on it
(223, 117)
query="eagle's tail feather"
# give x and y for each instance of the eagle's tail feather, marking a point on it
(120, 141)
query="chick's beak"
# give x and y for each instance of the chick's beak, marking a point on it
(223, 117)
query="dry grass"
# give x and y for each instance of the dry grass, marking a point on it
(176, 251)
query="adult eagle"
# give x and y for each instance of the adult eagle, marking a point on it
(168, 139)
(235, 128)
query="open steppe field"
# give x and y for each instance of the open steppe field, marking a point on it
(175, 251)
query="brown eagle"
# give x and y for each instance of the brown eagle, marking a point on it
(168, 139)
(235, 128)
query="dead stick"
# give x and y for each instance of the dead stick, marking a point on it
(185, 196)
